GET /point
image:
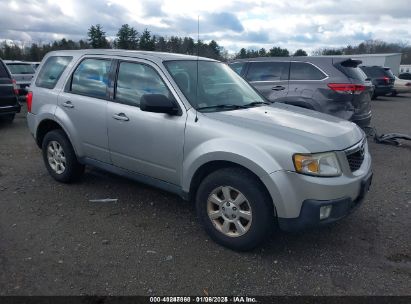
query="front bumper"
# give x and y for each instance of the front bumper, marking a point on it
(310, 211)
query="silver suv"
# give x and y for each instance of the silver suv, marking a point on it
(193, 127)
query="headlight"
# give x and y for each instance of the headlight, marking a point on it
(319, 164)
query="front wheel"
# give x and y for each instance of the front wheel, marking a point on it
(60, 158)
(235, 209)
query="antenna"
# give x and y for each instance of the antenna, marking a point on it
(198, 52)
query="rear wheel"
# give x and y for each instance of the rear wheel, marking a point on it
(60, 158)
(235, 209)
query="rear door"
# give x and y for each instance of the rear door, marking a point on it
(84, 102)
(269, 78)
(7, 95)
(305, 80)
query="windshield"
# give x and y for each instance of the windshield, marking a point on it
(219, 87)
(18, 68)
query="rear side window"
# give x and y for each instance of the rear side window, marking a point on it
(135, 80)
(51, 71)
(91, 78)
(354, 73)
(3, 71)
(20, 68)
(237, 67)
(305, 71)
(268, 71)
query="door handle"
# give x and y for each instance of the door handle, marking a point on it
(121, 116)
(68, 104)
(278, 88)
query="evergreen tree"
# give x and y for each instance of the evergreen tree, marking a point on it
(97, 37)
(300, 52)
(146, 41)
(278, 52)
(127, 38)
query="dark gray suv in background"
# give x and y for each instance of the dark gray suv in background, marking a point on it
(332, 85)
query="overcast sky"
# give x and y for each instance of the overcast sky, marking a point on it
(233, 24)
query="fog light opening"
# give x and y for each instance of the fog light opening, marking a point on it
(325, 212)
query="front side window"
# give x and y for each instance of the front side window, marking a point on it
(305, 71)
(268, 71)
(218, 86)
(135, 80)
(51, 71)
(91, 78)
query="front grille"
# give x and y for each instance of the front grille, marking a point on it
(355, 156)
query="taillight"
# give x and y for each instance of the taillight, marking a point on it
(29, 100)
(386, 79)
(15, 87)
(347, 88)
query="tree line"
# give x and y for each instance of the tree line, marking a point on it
(129, 38)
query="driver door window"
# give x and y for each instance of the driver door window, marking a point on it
(135, 80)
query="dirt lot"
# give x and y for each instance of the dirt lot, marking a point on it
(54, 241)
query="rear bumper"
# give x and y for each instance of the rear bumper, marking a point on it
(310, 211)
(383, 90)
(362, 120)
(4, 110)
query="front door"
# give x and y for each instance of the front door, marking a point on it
(144, 142)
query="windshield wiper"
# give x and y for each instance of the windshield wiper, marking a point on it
(223, 106)
(256, 103)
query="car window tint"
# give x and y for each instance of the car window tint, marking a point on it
(20, 68)
(135, 80)
(354, 73)
(51, 71)
(373, 72)
(91, 78)
(237, 67)
(305, 71)
(268, 71)
(3, 71)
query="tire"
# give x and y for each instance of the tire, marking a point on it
(394, 93)
(57, 140)
(8, 118)
(257, 201)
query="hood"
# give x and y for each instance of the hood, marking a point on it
(315, 131)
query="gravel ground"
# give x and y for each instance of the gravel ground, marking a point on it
(53, 241)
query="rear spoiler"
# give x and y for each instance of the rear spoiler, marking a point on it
(347, 62)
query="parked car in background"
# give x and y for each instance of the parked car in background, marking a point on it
(331, 85)
(22, 73)
(382, 78)
(401, 86)
(9, 104)
(192, 126)
(35, 65)
(405, 76)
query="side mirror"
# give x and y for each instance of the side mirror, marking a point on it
(158, 103)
